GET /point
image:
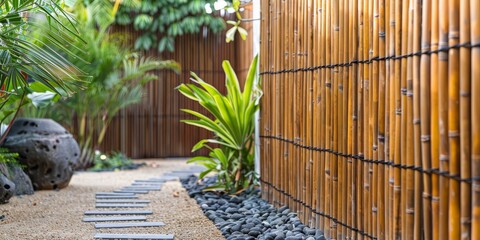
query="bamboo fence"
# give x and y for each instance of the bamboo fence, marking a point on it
(370, 120)
(152, 128)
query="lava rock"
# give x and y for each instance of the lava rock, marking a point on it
(23, 185)
(7, 188)
(47, 149)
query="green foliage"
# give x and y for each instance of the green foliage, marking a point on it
(168, 19)
(9, 158)
(233, 126)
(230, 34)
(26, 26)
(116, 160)
(118, 77)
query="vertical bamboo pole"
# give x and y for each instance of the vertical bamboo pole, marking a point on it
(366, 102)
(345, 92)
(465, 123)
(352, 120)
(381, 119)
(443, 118)
(453, 119)
(392, 113)
(424, 95)
(328, 118)
(323, 89)
(434, 123)
(475, 39)
(373, 119)
(316, 113)
(288, 154)
(335, 102)
(361, 119)
(397, 201)
(339, 127)
(417, 20)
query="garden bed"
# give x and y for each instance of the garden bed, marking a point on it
(247, 216)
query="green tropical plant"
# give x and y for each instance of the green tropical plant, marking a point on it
(232, 124)
(160, 22)
(24, 59)
(117, 79)
(114, 161)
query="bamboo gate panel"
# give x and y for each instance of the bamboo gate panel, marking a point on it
(370, 120)
(152, 128)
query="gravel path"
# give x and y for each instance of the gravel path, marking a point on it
(59, 214)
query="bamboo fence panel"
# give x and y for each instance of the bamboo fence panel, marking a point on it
(152, 128)
(369, 125)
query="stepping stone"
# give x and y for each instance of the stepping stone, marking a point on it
(151, 181)
(147, 184)
(129, 225)
(113, 219)
(116, 197)
(122, 201)
(120, 212)
(145, 188)
(185, 171)
(131, 191)
(134, 236)
(114, 194)
(125, 205)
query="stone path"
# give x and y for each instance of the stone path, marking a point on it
(118, 209)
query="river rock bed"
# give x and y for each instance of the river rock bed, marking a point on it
(247, 216)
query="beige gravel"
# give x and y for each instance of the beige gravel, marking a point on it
(58, 214)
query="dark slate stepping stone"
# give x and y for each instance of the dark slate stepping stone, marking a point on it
(147, 184)
(134, 236)
(129, 225)
(114, 194)
(120, 212)
(113, 219)
(116, 197)
(142, 188)
(151, 181)
(122, 201)
(131, 191)
(125, 205)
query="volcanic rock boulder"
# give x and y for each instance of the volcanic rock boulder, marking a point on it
(7, 189)
(47, 149)
(22, 182)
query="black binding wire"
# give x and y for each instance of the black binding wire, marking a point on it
(374, 59)
(383, 162)
(314, 210)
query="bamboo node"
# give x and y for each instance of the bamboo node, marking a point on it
(435, 199)
(375, 147)
(416, 121)
(427, 195)
(410, 211)
(425, 138)
(444, 157)
(374, 209)
(340, 87)
(476, 187)
(453, 35)
(381, 138)
(404, 91)
(464, 94)
(381, 34)
(398, 111)
(328, 85)
(466, 220)
(453, 134)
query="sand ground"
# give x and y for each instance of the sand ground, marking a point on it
(58, 214)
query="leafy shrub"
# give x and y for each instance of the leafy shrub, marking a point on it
(115, 161)
(170, 18)
(233, 125)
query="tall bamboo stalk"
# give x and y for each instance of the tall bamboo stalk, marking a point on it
(352, 120)
(417, 18)
(453, 119)
(475, 39)
(328, 117)
(424, 95)
(465, 123)
(434, 123)
(443, 118)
